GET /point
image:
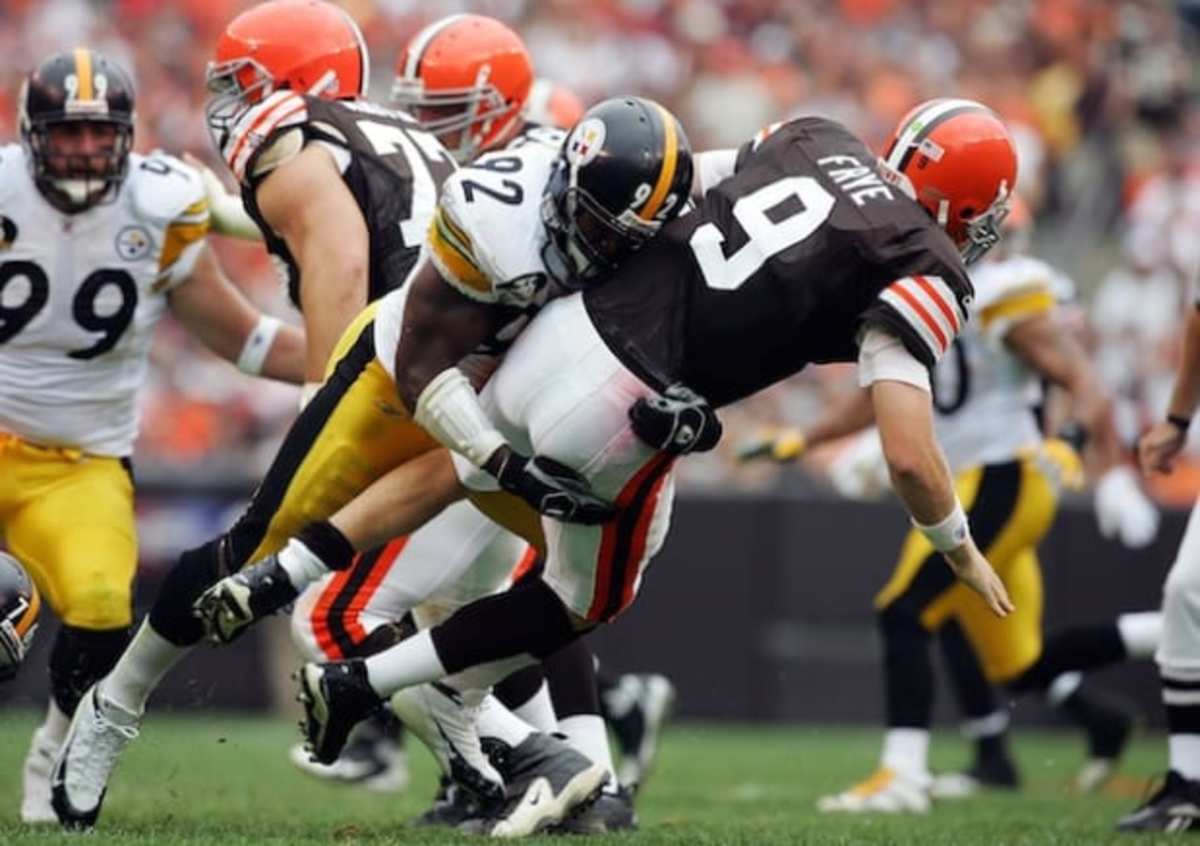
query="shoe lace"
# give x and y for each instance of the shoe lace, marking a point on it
(107, 742)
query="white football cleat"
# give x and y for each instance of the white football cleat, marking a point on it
(884, 791)
(954, 786)
(99, 733)
(35, 794)
(1093, 775)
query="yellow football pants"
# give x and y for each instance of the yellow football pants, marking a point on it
(1011, 507)
(68, 517)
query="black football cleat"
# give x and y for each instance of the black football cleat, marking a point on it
(336, 697)
(452, 806)
(230, 606)
(1173, 808)
(610, 813)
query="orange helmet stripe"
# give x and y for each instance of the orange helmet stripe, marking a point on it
(666, 174)
(83, 74)
(26, 621)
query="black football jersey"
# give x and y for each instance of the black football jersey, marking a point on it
(395, 172)
(782, 265)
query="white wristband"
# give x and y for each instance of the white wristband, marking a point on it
(258, 344)
(950, 533)
(449, 410)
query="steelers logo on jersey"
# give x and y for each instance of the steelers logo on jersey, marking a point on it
(133, 242)
(8, 232)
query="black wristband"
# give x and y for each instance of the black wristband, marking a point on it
(327, 542)
(1180, 423)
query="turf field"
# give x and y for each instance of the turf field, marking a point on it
(225, 781)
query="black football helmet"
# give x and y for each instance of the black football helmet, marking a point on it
(77, 85)
(624, 170)
(19, 606)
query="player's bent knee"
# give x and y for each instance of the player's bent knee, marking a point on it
(81, 657)
(97, 603)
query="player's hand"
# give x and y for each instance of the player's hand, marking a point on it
(553, 488)
(1123, 510)
(678, 422)
(973, 570)
(778, 445)
(1158, 447)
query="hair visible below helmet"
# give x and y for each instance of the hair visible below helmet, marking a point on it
(474, 73)
(551, 104)
(307, 46)
(623, 172)
(957, 159)
(19, 607)
(76, 86)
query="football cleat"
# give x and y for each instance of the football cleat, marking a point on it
(336, 697)
(1173, 808)
(547, 783)
(36, 806)
(884, 791)
(99, 733)
(445, 723)
(610, 813)
(637, 709)
(373, 758)
(231, 605)
(996, 773)
(452, 806)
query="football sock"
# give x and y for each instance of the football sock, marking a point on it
(54, 727)
(79, 659)
(571, 675)
(196, 571)
(302, 566)
(990, 734)
(907, 670)
(140, 668)
(906, 751)
(518, 688)
(494, 720)
(317, 548)
(412, 661)
(588, 734)
(1140, 633)
(985, 723)
(1182, 698)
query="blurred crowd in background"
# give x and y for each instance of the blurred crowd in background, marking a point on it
(1099, 93)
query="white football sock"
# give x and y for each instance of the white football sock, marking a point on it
(906, 750)
(54, 728)
(1184, 754)
(412, 661)
(1140, 633)
(588, 734)
(301, 564)
(494, 720)
(538, 710)
(140, 668)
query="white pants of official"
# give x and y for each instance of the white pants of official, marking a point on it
(1178, 655)
(561, 393)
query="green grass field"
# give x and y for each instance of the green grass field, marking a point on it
(225, 780)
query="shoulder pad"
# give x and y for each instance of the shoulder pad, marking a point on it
(258, 125)
(165, 189)
(997, 281)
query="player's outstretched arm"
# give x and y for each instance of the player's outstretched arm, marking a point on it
(217, 313)
(308, 204)
(904, 415)
(227, 214)
(1161, 444)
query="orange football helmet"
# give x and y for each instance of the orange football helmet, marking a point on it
(551, 104)
(307, 46)
(465, 78)
(957, 159)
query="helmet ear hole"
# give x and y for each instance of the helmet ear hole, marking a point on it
(967, 213)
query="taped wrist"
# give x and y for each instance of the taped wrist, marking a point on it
(948, 533)
(258, 345)
(449, 410)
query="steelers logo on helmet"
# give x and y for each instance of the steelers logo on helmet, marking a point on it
(618, 179)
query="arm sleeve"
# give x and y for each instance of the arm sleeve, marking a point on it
(183, 241)
(883, 356)
(925, 312)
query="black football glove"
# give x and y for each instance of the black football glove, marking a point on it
(551, 487)
(678, 422)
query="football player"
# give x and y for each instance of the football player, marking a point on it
(99, 242)
(1175, 806)
(19, 607)
(856, 259)
(288, 118)
(1009, 481)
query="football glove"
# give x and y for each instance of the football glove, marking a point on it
(678, 422)
(1123, 511)
(551, 487)
(779, 445)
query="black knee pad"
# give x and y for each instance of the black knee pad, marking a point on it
(79, 659)
(196, 571)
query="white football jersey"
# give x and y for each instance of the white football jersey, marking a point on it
(984, 395)
(487, 238)
(80, 295)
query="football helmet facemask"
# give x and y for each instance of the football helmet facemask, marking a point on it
(624, 171)
(75, 117)
(465, 78)
(957, 159)
(307, 46)
(19, 606)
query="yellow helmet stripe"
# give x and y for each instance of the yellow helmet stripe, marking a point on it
(667, 174)
(83, 74)
(25, 623)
